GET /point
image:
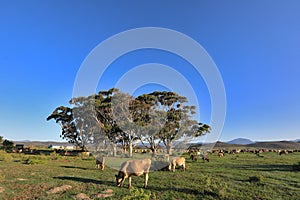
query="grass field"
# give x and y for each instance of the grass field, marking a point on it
(240, 176)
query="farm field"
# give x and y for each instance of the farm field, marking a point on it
(239, 176)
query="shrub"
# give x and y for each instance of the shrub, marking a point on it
(213, 187)
(296, 167)
(256, 179)
(136, 194)
(8, 145)
(34, 160)
(54, 155)
(4, 156)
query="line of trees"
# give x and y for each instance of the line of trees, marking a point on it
(6, 145)
(114, 118)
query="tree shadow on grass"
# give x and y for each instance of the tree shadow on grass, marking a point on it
(86, 180)
(267, 167)
(74, 167)
(176, 189)
(195, 192)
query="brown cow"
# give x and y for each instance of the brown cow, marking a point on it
(285, 152)
(100, 163)
(193, 157)
(204, 157)
(221, 154)
(133, 168)
(178, 161)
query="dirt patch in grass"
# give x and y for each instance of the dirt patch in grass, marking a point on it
(108, 191)
(105, 193)
(82, 196)
(59, 189)
(21, 179)
(1, 189)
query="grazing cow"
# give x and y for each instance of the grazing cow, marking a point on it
(178, 161)
(193, 157)
(215, 151)
(221, 154)
(100, 163)
(133, 168)
(285, 152)
(204, 157)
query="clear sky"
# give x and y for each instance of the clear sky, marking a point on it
(255, 44)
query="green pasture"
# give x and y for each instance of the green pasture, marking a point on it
(241, 176)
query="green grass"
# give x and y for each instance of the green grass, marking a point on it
(241, 176)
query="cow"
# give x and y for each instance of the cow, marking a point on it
(193, 157)
(177, 161)
(285, 152)
(100, 163)
(133, 168)
(204, 157)
(221, 154)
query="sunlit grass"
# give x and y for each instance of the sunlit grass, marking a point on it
(240, 176)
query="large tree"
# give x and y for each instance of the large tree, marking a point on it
(64, 117)
(8, 145)
(150, 119)
(124, 110)
(179, 121)
(96, 110)
(116, 117)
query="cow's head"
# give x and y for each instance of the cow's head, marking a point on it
(119, 179)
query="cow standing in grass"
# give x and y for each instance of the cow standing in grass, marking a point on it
(283, 152)
(178, 161)
(100, 163)
(193, 157)
(133, 168)
(221, 154)
(204, 157)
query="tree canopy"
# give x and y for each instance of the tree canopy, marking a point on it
(113, 117)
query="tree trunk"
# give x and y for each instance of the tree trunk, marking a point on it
(124, 148)
(154, 151)
(130, 148)
(169, 147)
(115, 149)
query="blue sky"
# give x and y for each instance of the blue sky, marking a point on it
(255, 44)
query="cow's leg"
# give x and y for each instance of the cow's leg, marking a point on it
(123, 180)
(184, 166)
(129, 182)
(174, 166)
(146, 179)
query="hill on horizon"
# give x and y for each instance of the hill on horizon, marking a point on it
(242, 141)
(276, 145)
(43, 144)
(236, 143)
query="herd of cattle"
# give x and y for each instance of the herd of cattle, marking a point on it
(142, 167)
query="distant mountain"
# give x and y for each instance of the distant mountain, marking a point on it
(43, 144)
(298, 140)
(22, 141)
(226, 145)
(275, 145)
(242, 141)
